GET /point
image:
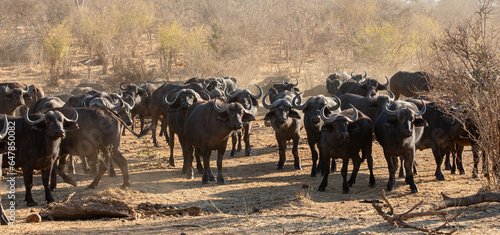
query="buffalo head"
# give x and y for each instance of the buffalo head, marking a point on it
(405, 117)
(233, 113)
(339, 123)
(54, 123)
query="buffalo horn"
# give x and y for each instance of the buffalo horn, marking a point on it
(27, 119)
(218, 109)
(74, 119)
(5, 129)
(143, 87)
(121, 86)
(386, 84)
(422, 111)
(260, 93)
(165, 97)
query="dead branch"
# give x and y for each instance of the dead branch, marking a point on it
(397, 220)
(465, 201)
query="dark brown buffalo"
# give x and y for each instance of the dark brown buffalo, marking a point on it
(100, 131)
(46, 103)
(177, 109)
(38, 139)
(398, 130)
(160, 109)
(409, 84)
(363, 88)
(12, 97)
(286, 122)
(247, 99)
(334, 81)
(369, 105)
(313, 122)
(283, 86)
(208, 127)
(343, 135)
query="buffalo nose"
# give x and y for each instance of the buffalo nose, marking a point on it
(60, 133)
(345, 135)
(315, 120)
(407, 133)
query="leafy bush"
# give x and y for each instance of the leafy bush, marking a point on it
(56, 44)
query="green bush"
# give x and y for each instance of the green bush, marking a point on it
(56, 44)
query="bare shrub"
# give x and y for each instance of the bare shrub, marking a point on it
(466, 62)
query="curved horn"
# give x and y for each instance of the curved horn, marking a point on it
(143, 87)
(196, 95)
(390, 112)
(422, 111)
(297, 81)
(260, 93)
(360, 84)
(337, 100)
(303, 106)
(121, 86)
(217, 108)
(5, 129)
(84, 102)
(369, 96)
(391, 96)
(119, 95)
(74, 119)
(205, 88)
(386, 84)
(354, 116)
(283, 80)
(207, 96)
(26, 88)
(269, 106)
(119, 105)
(27, 119)
(165, 97)
(323, 117)
(232, 95)
(365, 75)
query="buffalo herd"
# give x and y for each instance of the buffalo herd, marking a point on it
(347, 115)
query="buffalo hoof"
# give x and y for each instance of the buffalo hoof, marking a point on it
(73, 182)
(112, 173)
(350, 183)
(440, 177)
(321, 189)
(50, 201)
(475, 175)
(414, 189)
(125, 186)
(31, 203)
(346, 191)
(313, 174)
(232, 155)
(298, 167)
(221, 182)
(280, 167)
(372, 182)
(91, 186)
(389, 188)
(238, 149)
(157, 145)
(248, 154)
(204, 180)
(462, 172)
(190, 176)
(447, 166)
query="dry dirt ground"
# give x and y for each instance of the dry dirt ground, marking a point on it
(257, 199)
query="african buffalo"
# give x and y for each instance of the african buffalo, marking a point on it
(368, 105)
(207, 127)
(313, 122)
(39, 137)
(409, 84)
(334, 81)
(142, 105)
(343, 135)
(12, 97)
(177, 109)
(283, 86)
(354, 86)
(46, 103)
(286, 122)
(247, 99)
(398, 130)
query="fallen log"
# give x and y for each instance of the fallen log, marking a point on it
(88, 209)
(465, 201)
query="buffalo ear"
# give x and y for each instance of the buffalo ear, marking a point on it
(70, 125)
(353, 128)
(391, 123)
(270, 116)
(293, 114)
(248, 117)
(419, 122)
(222, 116)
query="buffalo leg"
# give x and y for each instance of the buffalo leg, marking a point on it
(295, 152)
(233, 143)
(392, 164)
(438, 157)
(171, 144)
(122, 163)
(314, 156)
(343, 172)
(164, 128)
(239, 140)
(246, 137)
(220, 157)
(141, 118)
(71, 165)
(46, 180)
(188, 164)
(85, 165)
(409, 173)
(199, 166)
(447, 163)
(369, 159)
(28, 184)
(60, 172)
(326, 172)
(282, 152)
(458, 161)
(401, 168)
(356, 161)
(154, 122)
(206, 165)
